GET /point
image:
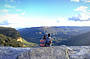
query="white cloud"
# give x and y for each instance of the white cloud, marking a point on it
(84, 12)
(4, 11)
(84, 16)
(66, 22)
(18, 21)
(9, 6)
(23, 13)
(18, 10)
(89, 10)
(86, 1)
(81, 8)
(2, 18)
(75, 0)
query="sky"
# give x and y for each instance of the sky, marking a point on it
(36, 13)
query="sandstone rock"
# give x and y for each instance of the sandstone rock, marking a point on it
(80, 52)
(44, 53)
(10, 52)
(57, 52)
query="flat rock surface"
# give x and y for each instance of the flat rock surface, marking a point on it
(79, 52)
(10, 52)
(57, 52)
(45, 53)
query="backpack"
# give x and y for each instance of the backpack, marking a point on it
(42, 43)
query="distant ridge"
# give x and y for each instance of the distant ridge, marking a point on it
(79, 40)
(59, 33)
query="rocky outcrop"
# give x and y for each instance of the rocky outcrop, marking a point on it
(58, 52)
(10, 52)
(44, 53)
(79, 52)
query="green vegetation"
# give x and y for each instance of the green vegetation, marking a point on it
(28, 44)
(11, 37)
(8, 41)
(10, 32)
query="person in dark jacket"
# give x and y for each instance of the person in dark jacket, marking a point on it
(49, 41)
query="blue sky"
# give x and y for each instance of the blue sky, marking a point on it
(33, 13)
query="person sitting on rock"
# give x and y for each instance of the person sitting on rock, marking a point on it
(49, 41)
(43, 41)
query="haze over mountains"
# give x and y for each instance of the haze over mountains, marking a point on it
(60, 34)
(82, 39)
(65, 35)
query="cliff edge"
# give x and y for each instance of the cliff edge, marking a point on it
(57, 52)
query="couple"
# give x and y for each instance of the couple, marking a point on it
(46, 41)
